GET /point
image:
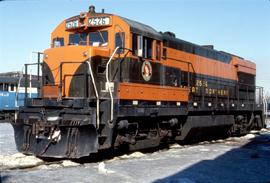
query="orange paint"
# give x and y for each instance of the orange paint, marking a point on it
(201, 65)
(133, 91)
(186, 61)
(50, 91)
(244, 66)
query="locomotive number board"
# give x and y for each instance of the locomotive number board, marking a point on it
(72, 24)
(98, 21)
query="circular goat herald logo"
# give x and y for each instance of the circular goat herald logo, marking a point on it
(146, 71)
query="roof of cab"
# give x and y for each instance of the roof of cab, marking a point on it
(140, 28)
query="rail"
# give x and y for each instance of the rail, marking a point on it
(26, 76)
(39, 65)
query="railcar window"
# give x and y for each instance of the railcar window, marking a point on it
(99, 38)
(57, 42)
(12, 87)
(77, 39)
(120, 41)
(3, 87)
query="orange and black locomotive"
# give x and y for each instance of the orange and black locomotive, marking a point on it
(111, 82)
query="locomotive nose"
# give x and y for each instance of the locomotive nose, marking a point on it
(71, 76)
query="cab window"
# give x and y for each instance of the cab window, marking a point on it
(98, 38)
(77, 39)
(120, 41)
(57, 42)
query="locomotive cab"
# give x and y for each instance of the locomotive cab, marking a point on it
(90, 39)
(81, 46)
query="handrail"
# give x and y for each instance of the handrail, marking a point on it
(73, 75)
(26, 77)
(17, 95)
(265, 107)
(94, 84)
(188, 64)
(17, 89)
(61, 76)
(107, 80)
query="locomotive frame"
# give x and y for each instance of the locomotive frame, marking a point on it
(111, 82)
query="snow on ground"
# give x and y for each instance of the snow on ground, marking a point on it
(243, 159)
(7, 143)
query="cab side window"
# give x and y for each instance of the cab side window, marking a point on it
(135, 44)
(57, 42)
(120, 41)
(99, 38)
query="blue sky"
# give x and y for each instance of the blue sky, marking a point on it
(241, 27)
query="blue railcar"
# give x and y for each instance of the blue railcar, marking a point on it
(12, 94)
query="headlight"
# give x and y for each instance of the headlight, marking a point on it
(53, 118)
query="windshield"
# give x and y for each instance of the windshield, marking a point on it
(77, 39)
(98, 38)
